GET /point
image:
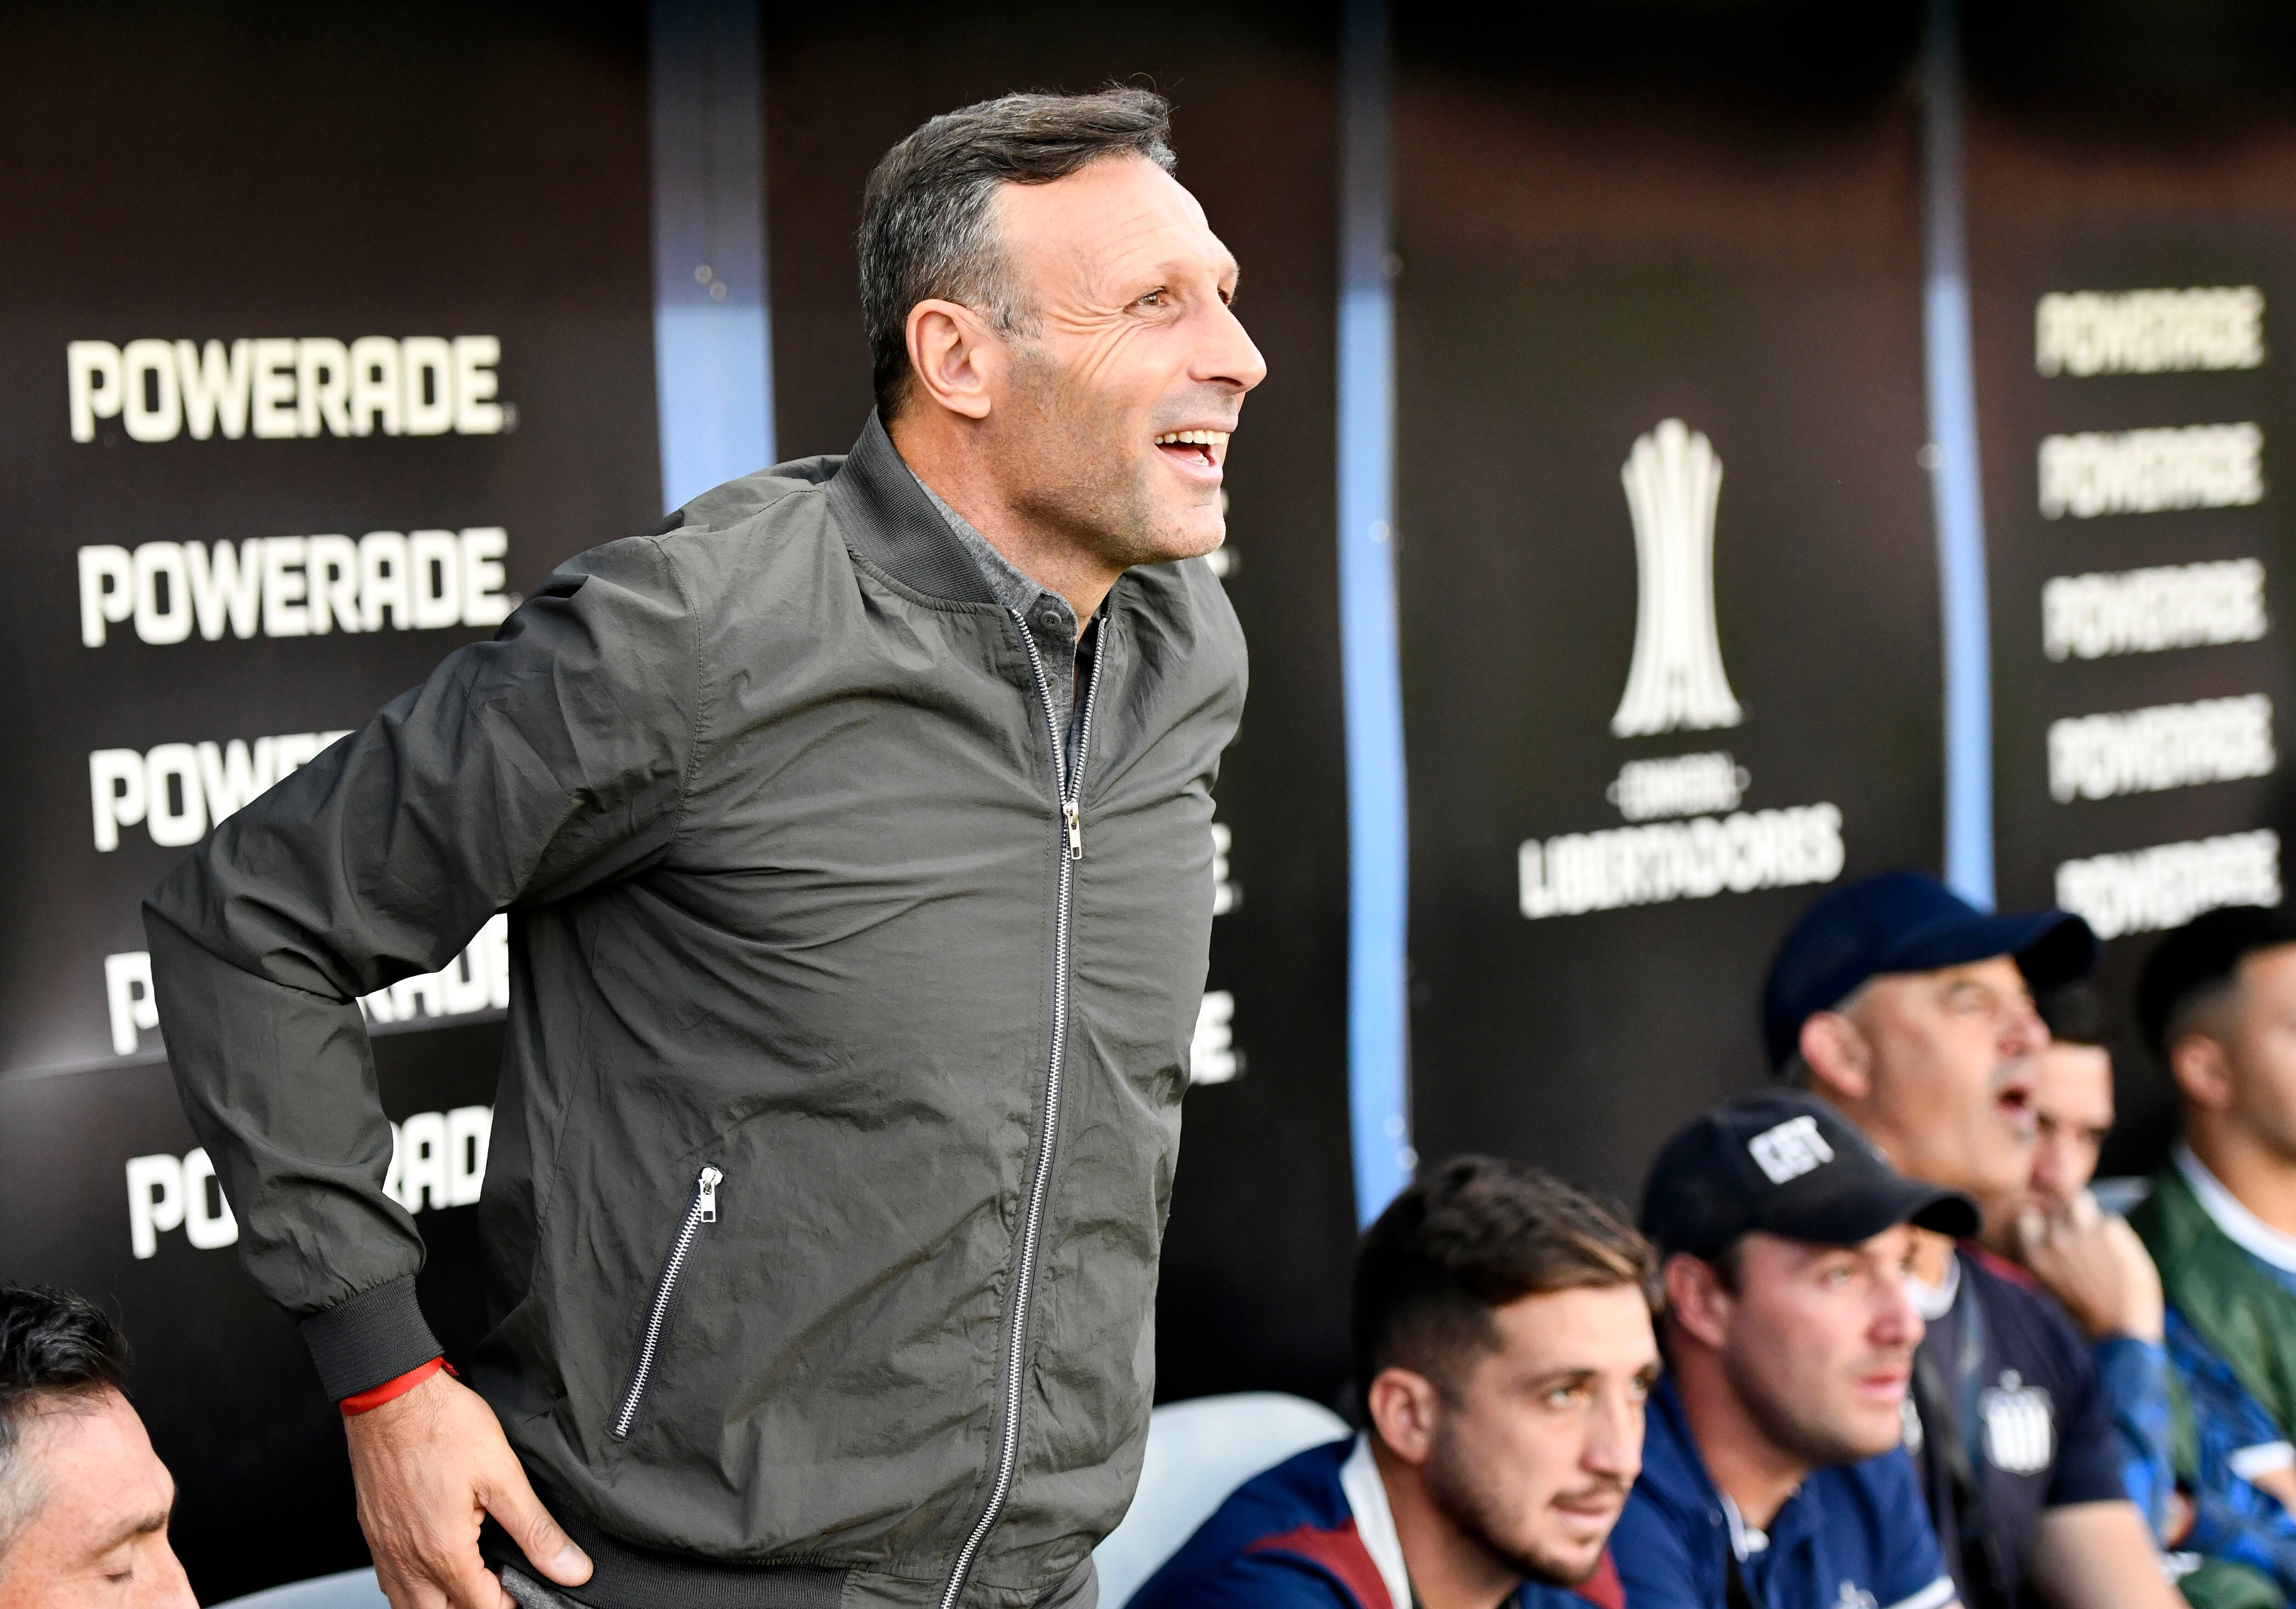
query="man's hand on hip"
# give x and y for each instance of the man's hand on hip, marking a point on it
(429, 1467)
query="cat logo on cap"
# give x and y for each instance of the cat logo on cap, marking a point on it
(1792, 1149)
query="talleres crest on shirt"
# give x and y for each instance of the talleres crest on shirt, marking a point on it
(1687, 833)
(2020, 1427)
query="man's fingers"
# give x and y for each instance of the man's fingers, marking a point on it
(476, 1586)
(518, 1511)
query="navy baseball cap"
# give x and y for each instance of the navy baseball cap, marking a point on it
(1785, 1163)
(1905, 922)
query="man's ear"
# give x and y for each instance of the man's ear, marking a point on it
(1695, 1301)
(1841, 1062)
(955, 358)
(2202, 1072)
(1404, 1409)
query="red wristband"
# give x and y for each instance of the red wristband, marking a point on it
(376, 1396)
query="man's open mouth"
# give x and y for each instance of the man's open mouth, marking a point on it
(2014, 1101)
(1200, 449)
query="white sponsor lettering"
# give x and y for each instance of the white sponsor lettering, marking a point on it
(275, 388)
(2148, 472)
(281, 587)
(165, 1193)
(438, 1159)
(2084, 332)
(177, 792)
(2165, 886)
(1213, 1056)
(477, 980)
(1692, 859)
(1673, 481)
(2167, 746)
(2089, 617)
(127, 996)
(1227, 893)
(1792, 1149)
(1684, 784)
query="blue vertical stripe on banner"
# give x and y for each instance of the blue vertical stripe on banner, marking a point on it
(712, 329)
(1377, 1026)
(1956, 489)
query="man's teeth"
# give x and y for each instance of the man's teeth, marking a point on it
(1192, 439)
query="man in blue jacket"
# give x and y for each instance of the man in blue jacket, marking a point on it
(1501, 1337)
(1773, 1477)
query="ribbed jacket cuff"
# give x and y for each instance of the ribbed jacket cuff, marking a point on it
(377, 1335)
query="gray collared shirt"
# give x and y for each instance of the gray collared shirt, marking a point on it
(1048, 616)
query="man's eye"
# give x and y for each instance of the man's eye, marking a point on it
(1562, 1396)
(1154, 298)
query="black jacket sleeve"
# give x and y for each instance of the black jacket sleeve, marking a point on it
(550, 760)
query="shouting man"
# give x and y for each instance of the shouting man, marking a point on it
(1911, 1012)
(855, 831)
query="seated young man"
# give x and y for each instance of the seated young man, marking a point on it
(1503, 1344)
(1773, 1476)
(2217, 1000)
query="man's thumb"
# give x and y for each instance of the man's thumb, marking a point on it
(548, 1548)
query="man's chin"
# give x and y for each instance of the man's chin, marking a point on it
(1569, 1567)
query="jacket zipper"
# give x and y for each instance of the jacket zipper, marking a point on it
(1067, 791)
(701, 1210)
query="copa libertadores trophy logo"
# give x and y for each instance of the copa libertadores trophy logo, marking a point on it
(1673, 481)
(1687, 835)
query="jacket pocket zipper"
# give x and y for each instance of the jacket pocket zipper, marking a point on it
(701, 1210)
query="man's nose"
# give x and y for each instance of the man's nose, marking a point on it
(2049, 1169)
(1897, 1322)
(1614, 1441)
(1229, 357)
(2023, 1033)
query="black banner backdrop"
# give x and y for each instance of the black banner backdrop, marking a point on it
(1253, 1289)
(1670, 628)
(324, 338)
(2132, 263)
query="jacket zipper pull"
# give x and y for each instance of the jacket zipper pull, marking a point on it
(707, 1186)
(1075, 829)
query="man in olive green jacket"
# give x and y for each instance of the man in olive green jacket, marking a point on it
(854, 828)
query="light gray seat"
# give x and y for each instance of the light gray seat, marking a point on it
(1198, 1452)
(352, 1589)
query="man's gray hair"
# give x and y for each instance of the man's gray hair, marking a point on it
(57, 1350)
(928, 228)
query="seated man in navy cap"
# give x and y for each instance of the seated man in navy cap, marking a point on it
(1773, 1476)
(1912, 1013)
(1504, 1352)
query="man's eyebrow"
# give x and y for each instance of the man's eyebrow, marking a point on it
(1554, 1378)
(140, 1525)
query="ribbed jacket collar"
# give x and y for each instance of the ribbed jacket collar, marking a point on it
(890, 523)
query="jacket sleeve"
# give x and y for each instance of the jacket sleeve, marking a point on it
(2134, 1376)
(525, 769)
